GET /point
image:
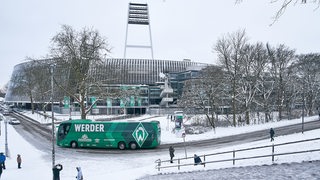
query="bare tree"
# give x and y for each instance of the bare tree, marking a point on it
(307, 70)
(230, 51)
(251, 69)
(285, 4)
(215, 88)
(42, 89)
(205, 93)
(3, 90)
(193, 96)
(79, 53)
(281, 58)
(27, 81)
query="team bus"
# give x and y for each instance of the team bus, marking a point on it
(95, 134)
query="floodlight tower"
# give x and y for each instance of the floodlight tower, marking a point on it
(138, 14)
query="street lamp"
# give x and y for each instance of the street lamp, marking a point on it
(6, 136)
(303, 106)
(52, 117)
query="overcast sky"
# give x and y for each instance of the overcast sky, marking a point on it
(181, 29)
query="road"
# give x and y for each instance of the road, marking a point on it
(247, 137)
(40, 136)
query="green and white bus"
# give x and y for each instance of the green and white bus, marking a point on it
(120, 134)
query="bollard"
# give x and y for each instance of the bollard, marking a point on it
(234, 156)
(272, 153)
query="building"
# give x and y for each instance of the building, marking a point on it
(145, 75)
(157, 83)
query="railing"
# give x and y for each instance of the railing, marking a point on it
(178, 163)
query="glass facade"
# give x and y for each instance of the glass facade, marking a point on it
(140, 71)
(116, 74)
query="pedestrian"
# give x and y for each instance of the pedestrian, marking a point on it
(19, 161)
(79, 175)
(3, 160)
(0, 170)
(197, 160)
(56, 171)
(271, 134)
(171, 152)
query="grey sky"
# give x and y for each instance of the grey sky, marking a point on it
(181, 29)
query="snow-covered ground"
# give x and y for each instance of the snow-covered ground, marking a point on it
(285, 171)
(37, 163)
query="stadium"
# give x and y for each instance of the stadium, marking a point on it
(160, 82)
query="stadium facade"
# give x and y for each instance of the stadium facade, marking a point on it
(160, 83)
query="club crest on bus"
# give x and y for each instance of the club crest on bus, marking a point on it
(140, 134)
(84, 138)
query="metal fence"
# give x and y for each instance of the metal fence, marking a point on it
(207, 158)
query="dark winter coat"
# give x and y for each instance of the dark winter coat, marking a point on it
(197, 159)
(0, 169)
(19, 159)
(171, 151)
(271, 133)
(56, 171)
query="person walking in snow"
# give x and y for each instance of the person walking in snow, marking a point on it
(19, 161)
(2, 160)
(171, 152)
(56, 171)
(197, 159)
(271, 134)
(0, 170)
(79, 175)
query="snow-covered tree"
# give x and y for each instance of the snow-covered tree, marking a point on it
(281, 58)
(3, 90)
(230, 50)
(31, 81)
(78, 53)
(307, 70)
(251, 68)
(206, 92)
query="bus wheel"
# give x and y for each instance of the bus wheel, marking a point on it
(133, 145)
(121, 145)
(74, 144)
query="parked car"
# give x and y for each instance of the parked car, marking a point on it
(6, 112)
(14, 121)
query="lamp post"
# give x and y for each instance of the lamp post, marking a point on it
(184, 144)
(6, 136)
(52, 117)
(303, 106)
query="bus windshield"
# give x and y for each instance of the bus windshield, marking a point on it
(63, 130)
